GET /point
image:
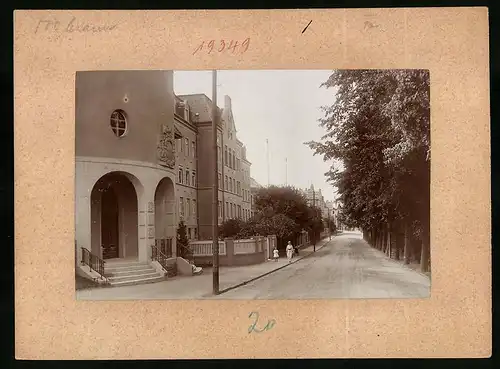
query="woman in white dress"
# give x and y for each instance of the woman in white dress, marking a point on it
(289, 251)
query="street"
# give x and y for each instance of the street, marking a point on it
(347, 267)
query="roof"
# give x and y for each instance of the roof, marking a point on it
(254, 183)
(200, 104)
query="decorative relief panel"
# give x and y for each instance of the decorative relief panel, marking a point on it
(166, 147)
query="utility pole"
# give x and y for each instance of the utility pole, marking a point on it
(267, 147)
(215, 185)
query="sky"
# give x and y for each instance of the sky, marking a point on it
(282, 106)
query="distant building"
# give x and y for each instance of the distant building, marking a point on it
(316, 199)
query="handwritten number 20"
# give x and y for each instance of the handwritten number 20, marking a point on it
(252, 328)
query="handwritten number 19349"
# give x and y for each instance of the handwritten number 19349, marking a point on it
(213, 46)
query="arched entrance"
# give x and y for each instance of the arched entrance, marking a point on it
(165, 216)
(114, 217)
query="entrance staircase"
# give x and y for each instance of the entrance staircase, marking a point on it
(127, 273)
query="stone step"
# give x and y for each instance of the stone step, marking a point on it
(137, 281)
(115, 269)
(134, 277)
(127, 272)
(124, 263)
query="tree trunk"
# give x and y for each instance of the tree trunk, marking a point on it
(396, 245)
(388, 246)
(406, 245)
(424, 258)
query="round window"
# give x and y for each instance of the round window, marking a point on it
(119, 123)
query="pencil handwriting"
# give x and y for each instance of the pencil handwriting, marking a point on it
(253, 327)
(72, 26)
(219, 46)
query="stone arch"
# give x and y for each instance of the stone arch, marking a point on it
(114, 215)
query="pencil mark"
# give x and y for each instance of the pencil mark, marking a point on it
(270, 323)
(72, 26)
(306, 26)
(370, 25)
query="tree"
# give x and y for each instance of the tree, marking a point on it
(315, 225)
(182, 240)
(231, 227)
(284, 200)
(378, 131)
(332, 227)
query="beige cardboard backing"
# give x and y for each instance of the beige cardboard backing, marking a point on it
(451, 42)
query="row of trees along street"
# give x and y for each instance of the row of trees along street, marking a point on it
(378, 138)
(280, 211)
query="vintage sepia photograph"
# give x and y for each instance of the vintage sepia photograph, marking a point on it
(252, 184)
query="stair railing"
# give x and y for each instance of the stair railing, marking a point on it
(160, 257)
(94, 262)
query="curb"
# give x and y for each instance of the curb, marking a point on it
(271, 271)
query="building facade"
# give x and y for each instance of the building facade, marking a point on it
(143, 159)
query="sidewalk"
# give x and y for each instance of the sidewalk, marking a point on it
(195, 287)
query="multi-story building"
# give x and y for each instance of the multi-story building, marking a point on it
(233, 165)
(316, 199)
(143, 163)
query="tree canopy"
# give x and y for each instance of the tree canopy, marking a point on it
(378, 129)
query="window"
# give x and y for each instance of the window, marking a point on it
(118, 123)
(194, 208)
(218, 155)
(227, 208)
(188, 207)
(239, 211)
(181, 206)
(193, 179)
(179, 178)
(225, 183)
(234, 185)
(189, 233)
(220, 209)
(225, 154)
(220, 178)
(195, 233)
(187, 146)
(193, 149)
(234, 161)
(238, 187)
(187, 177)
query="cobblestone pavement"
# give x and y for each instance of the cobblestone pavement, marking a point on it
(346, 268)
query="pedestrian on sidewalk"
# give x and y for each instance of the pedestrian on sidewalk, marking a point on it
(276, 253)
(289, 251)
